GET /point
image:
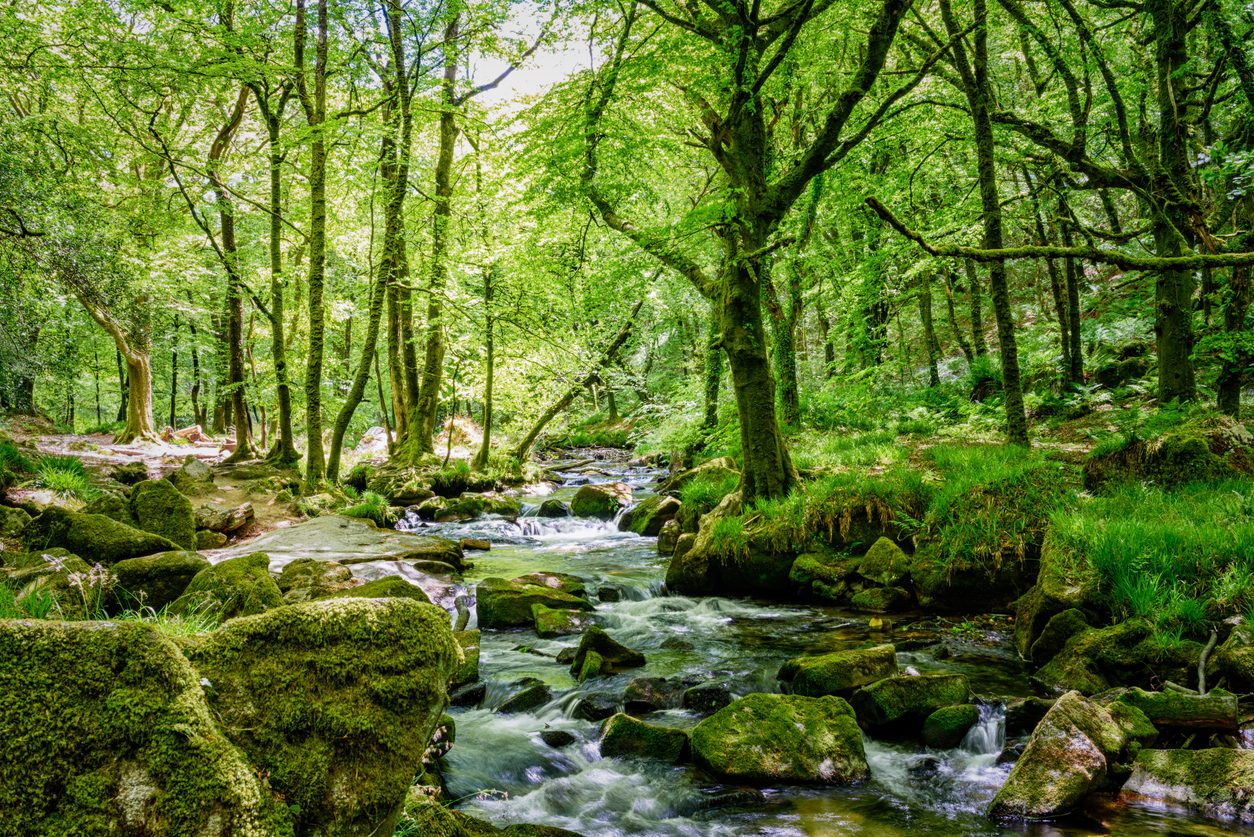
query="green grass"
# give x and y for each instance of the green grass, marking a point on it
(372, 507)
(38, 604)
(202, 619)
(835, 451)
(65, 476)
(11, 456)
(1179, 558)
(704, 496)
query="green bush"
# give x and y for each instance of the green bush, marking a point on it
(11, 456)
(373, 507)
(704, 496)
(65, 476)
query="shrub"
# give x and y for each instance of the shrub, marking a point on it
(65, 476)
(373, 507)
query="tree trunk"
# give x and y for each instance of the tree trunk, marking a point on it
(713, 370)
(929, 330)
(962, 341)
(977, 318)
(123, 388)
(174, 375)
(1235, 358)
(1075, 350)
(481, 458)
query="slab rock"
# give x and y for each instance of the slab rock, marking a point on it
(1217, 782)
(1066, 759)
(308, 579)
(336, 701)
(236, 587)
(93, 537)
(507, 604)
(158, 507)
(623, 736)
(219, 518)
(766, 739)
(841, 672)
(907, 701)
(107, 730)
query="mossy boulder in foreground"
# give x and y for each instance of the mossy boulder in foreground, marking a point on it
(946, 727)
(335, 701)
(841, 672)
(766, 739)
(107, 730)
(600, 501)
(156, 580)
(552, 623)
(158, 507)
(1217, 782)
(623, 736)
(236, 587)
(1066, 759)
(93, 537)
(650, 515)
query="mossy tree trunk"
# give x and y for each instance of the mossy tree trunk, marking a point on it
(133, 339)
(929, 328)
(713, 373)
(962, 341)
(974, 292)
(1236, 357)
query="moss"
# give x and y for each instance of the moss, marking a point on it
(768, 739)
(94, 537)
(507, 604)
(392, 586)
(336, 700)
(1204, 449)
(112, 505)
(623, 736)
(945, 728)
(1084, 660)
(1217, 710)
(614, 655)
(554, 623)
(592, 665)
(468, 670)
(1216, 781)
(650, 515)
(881, 600)
(840, 672)
(1060, 628)
(885, 563)
(158, 507)
(600, 501)
(105, 726)
(155, 580)
(824, 575)
(239, 586)
(908, 701)
(1136, 725)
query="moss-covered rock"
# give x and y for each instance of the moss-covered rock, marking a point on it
(1065, 760)
(1065, 582)
(207, 539)
(129, 473)
(946, 727)
(591, 665)
(1216, 782)
(468, 670)
(649, 516)
(336, 701)
(388, 587)
(507, 604)
(554, 623)
(614, 655)
(564, 582)
(1235, 660)
(906, 702)
(600, 501)
(623, 736)
(1215, 447)
(1023, 714)
(826, 575)
(219, 518)
(107, 730)
(881, 600)
(668, 538)
(531, 695)
(1215, 711)
(236, 587)
(1060, 628)
(885, 563)
(158, 507)
(12, 521)
(766, 739)
(94, 537)
(840, 672)
(307, 579)
(1085, 660)
(113, 505)
(155, 580)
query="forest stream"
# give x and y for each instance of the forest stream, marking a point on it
(500, 768)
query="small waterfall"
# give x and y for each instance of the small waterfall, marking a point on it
(988, 736)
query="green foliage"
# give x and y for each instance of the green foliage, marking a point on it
(65, 476)
(11, 457)
(36, 604)
(729, 538)
(200, 619)
(373, 507)
(834, 451)
(704, 496)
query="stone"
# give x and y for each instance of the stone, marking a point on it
(840, 672)
(159, 508)
(825, 575)
(765, 739)
(623, 736)
(129, 473)
(155, 580)
(12, 521)
(470, 694)
(674, 643)
(113, 505)
(668, 538)
(591, 665)
(1064, 583)
(307, 579)
(94, 537)
(707, 698)
(1066, 759)
(468, 671)
(907, 701)
(564, 582)
(1217, 782)
(107, 730)
(648, 694)
(609, 594)
(553, 508)
(507, 604)
(342, 750)
(597, 706)
(615, 656)
(1084, 659)
(219, 518)
(205, 539)
(348, 541)
(1215, 711)
(388, 587)
(885, 563)
(649, 516)
(1060, 628)
(881, 600)
(239, 586)
(945, 728)
(478, 544)
(1023, 714)
(532, 695)
(557, 738)
(711, 471)
(552, 623)
(600, 501)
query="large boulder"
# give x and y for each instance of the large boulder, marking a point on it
(827, 575)
(946, 727)
(1217, 782)
(107, 730)
(216, 517)
(1215, 447)
(1066, 759)
(93, 537)
(713, 471)
(766, 739)
(155, 580)
(601, 501)
(335, 701)
(468, 669)
(1089, 656)
(840, 672)
(1065, 582)
(507, 604)
(236, 587)
(885, 563)
(649, 516)
(623, 736)
(905, 702)
(551, 622)
(307, 579)
(1215, 711)
(12, 521)
(158, 507)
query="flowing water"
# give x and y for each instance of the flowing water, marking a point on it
(502, 771)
